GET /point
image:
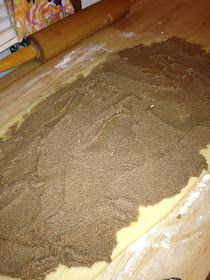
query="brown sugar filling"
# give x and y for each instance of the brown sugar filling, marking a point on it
(87, 157)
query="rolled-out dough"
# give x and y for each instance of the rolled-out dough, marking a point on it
(83, 161)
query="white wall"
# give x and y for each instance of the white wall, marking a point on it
(86, 3)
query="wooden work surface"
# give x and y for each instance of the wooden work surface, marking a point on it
(149, 21)
(179, 247)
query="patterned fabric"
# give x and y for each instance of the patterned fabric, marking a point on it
(31, 16)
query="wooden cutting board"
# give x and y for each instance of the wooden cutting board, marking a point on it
(179, 247)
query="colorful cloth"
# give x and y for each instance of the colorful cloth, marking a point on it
(31, 16)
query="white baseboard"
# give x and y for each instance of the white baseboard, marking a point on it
(86, 3)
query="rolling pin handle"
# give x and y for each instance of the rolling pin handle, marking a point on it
(17, 58)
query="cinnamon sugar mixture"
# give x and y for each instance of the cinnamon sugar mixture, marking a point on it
(86, 158)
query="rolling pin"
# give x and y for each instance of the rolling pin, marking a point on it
(50, 41)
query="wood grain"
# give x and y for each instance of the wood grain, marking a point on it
(178, 247)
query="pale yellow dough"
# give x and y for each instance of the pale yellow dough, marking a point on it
(148, 217)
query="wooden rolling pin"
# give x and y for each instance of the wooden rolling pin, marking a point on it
(67, 32)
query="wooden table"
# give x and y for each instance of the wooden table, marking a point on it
(175, 247)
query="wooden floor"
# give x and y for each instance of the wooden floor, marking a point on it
(149, 21)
